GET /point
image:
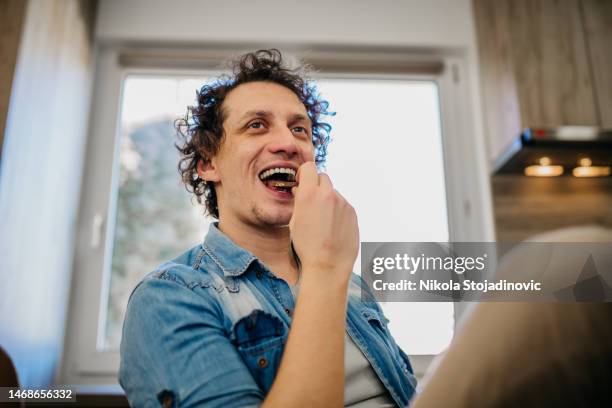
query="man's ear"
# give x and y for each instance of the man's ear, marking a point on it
(208, 170)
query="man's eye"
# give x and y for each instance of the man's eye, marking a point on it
(300, 129)
(256, 125)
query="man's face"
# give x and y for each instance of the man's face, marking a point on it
(266, 127)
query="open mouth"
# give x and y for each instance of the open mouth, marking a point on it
(279, 179)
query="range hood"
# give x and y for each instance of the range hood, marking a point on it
(566, 150)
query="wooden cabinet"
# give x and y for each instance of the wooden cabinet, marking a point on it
(543, 63)
(597, 16)
(526, 206)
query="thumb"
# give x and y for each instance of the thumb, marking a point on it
(291, 223)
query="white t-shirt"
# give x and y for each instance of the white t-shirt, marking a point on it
(362, 387)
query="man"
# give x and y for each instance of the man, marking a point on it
(223, 324)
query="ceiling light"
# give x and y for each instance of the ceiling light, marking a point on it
(586, 169)
(544, 169)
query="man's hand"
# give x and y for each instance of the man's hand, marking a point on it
(323, 227)
(326, 238)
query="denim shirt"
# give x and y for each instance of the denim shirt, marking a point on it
(209, 329)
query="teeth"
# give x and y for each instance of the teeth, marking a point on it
(270, 172)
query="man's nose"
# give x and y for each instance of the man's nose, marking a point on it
(284, 141)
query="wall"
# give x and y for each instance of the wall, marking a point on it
(11, 22)
(436, 23)
(40, 180)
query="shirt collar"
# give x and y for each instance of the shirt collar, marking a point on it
(230, 257)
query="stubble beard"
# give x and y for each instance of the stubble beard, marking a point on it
(269, 220)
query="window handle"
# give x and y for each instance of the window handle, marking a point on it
(96, 230)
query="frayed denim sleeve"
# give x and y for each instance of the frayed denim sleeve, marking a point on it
(175, 351)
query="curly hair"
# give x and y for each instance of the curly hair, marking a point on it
(201, 129)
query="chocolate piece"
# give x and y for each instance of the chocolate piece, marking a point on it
(278, 183)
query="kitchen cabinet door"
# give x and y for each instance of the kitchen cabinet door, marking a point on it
(597, 16)
(550, 60)
(535, 66)
(499, 89)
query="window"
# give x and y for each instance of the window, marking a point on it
(377, 163)
(155, 217)
(389, 131)
(386, 138)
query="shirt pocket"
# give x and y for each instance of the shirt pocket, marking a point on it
(375, 318)
(260, 339)
(377, 322)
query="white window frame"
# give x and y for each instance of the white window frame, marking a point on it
(466, 178)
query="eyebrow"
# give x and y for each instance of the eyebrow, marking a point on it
(256, 113)
(296, 117)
